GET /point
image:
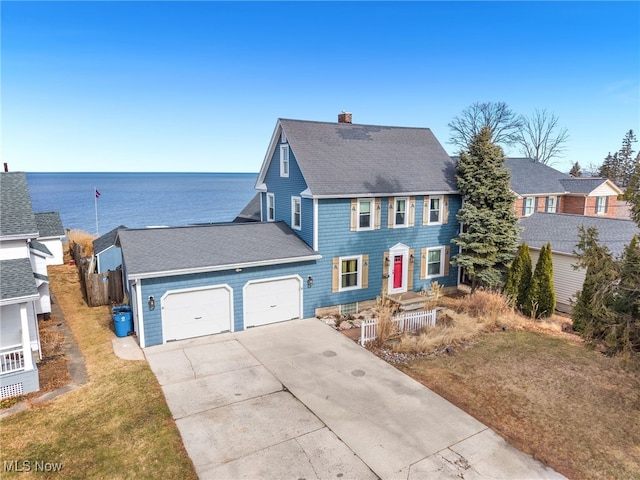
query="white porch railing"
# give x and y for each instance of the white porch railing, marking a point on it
(11, 359)
(406, 322)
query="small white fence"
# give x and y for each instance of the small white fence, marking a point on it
(11, 359)
(405, 322)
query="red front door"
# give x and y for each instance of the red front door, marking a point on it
(397, 271)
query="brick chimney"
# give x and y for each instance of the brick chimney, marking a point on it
(344, 117)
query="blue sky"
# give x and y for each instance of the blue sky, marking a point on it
(198, 86)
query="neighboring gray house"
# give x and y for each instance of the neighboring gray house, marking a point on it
(108, 254)
(561, 230)
(23, 282)
(51, 235)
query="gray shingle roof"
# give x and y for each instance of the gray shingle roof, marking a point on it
(584, 185)
(529, 177)
(16, 212)
(49, 224)
(41, 247)
(107, 240)
(16, 279)
(251, 212)
(562, 231)
(210, 247)
(350, 159)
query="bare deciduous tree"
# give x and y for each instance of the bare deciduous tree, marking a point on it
(541, 138)
(502, 122)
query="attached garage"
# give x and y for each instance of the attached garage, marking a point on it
(272, 300)
(187, 282)
(194, 312)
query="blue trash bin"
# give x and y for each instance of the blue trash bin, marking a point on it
(122, 320)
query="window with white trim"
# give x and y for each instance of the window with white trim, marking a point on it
(552, 204)
(284, 160)
(350, 273)
(435, 262)
(365, 221)
(435, 209)
(400, 214)
(527, 206)
(271, 207)
(601, 205)
(296, 213)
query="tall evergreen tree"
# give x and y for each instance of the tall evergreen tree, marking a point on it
(519, 277)
(620, 166)
(611, 168)
(541, 299)
(490, 235)
(626, 301)
(632, 192)
(591, 305)
(625, 154)
(575, 170)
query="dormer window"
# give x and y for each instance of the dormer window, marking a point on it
(284, 160)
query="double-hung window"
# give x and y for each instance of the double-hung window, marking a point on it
(435, 262)
(271, 207)
(350, 273)
(296, 213)
(400, 212)
(527, 206)
(435, 210)
(601, 205)
(364, 214)
(284, 160)
(552, 204)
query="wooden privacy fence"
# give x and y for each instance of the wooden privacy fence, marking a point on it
(103, 288)
(99, 288)
(405, 322)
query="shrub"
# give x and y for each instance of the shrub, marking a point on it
(519, 277)
(386, 327)
(541, 298)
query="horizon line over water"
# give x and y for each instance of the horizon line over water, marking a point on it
(140, 199)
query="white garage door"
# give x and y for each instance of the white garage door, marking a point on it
(196, 312)
(272, 300)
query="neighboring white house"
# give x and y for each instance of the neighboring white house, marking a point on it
(51, 235)
(24, 289)
(561, 230)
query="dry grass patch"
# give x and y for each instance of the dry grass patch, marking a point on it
(82, 238)
(573, 408)
(460, 321)
(116, 426)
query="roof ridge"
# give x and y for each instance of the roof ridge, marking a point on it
(351, 124)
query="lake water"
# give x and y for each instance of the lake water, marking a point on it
(140, 199)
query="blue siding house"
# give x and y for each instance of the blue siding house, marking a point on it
(107, 253)
(378, 203)
(347, 213)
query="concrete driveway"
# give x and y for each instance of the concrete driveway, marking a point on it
(300, 400)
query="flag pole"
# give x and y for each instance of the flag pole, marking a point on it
(95, 202)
